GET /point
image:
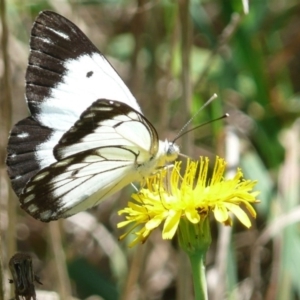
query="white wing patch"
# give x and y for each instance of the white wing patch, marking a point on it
(65, 104)
(44, 151)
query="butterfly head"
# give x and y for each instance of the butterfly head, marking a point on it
(171, 151)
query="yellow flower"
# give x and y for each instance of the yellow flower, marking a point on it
(192, 197)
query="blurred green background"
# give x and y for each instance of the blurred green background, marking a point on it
(174, 55)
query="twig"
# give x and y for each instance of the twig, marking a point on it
(186, 38)
(63, 281)
(5, 124)
(184, 276)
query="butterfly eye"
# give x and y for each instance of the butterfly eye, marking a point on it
(172, 151)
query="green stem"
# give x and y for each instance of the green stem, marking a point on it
(195, 240)
(199, 278)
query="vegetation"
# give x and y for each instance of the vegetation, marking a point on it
(174, 55)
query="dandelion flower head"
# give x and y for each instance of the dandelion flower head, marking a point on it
(168, 197)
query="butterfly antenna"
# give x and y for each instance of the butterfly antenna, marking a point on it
(203, 124)
(213, 97)
(182, 132)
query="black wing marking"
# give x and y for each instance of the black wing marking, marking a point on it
(22, 163)
(54, 40)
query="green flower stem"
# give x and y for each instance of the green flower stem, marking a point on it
(195, 240)
(199, 278)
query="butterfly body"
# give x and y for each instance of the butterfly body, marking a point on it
(86, 137)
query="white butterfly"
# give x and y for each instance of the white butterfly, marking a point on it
(86, 137)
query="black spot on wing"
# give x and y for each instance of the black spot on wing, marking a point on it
(89, 74)
(21, 161)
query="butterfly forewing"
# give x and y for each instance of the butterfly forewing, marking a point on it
(65, 75)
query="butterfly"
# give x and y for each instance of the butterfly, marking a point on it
(86, 137)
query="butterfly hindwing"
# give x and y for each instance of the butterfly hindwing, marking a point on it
(78, 182)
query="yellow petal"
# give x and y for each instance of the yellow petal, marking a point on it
(192, 215)
(221, 213)
(239, 213)
(171, 224)
(154, 222)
